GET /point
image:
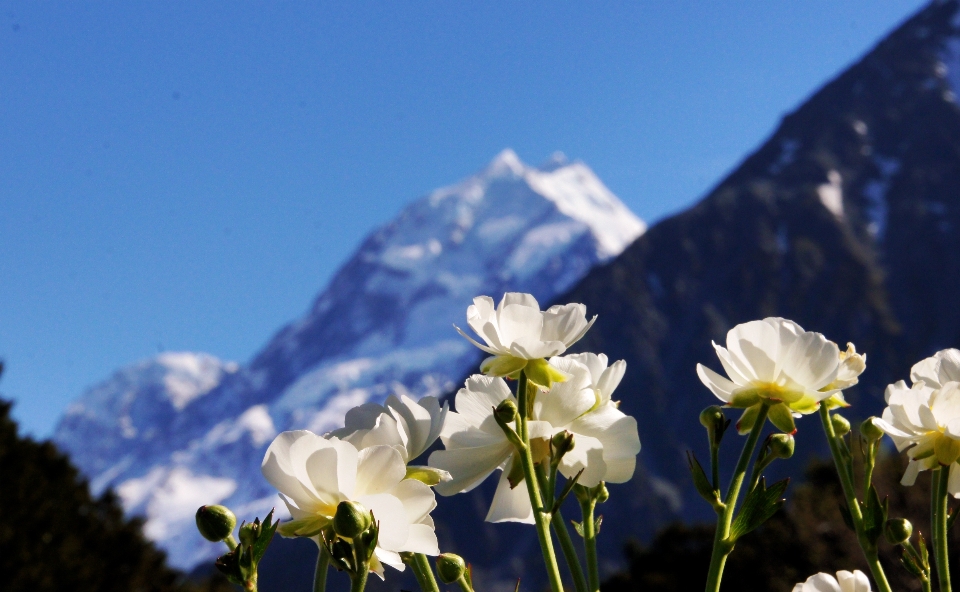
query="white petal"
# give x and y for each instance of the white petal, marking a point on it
(380, 469)
(587, 454)
(510, 505)
(910, 475)
(610, 379)
(422, 539)
(278, 470)
(855, 581)
(476, 401)
(518, 298)
(953, 482)
(468, 466)
(821, 582)
(391, 558)
(485, 348)
(418, 499)
(718, 385)
(812, 361)
(517, 322)
(754, 348)
(389, 513)
(564, 323)
(566, 401)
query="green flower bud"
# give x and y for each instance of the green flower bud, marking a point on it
(600, 492)
(870, 430)
(841, 427)
(897, 531)
(450, 567)
(506, 411)
(562, 444)
(781, 445)
(249, 531)
(351, 519)
(713, 419)
(215, 523)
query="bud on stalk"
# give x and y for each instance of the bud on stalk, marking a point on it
(450, 567)
(870, 430)
(781, 445)
(215, 523)
(897, 531)
(715, 422)
(841, 427)
(351, 519)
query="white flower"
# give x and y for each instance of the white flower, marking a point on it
(939, 369)
(851, 367)
(407, 425)
(314, 474)
(925, 420)
(773, 360)
(519, 336)
(606, 443)
(476, 446)
(845, 581)
(605, 439)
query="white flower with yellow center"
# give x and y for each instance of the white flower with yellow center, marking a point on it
(855, 581)
(773, 361)
(314, 474)
(519, 336)
(852, 366)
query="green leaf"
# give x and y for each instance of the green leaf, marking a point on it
(922, 544)
(702, 484)
(847, 518)
(759, 505)
(910, 564)
(874, 515)
(565, 492)
(577, 526)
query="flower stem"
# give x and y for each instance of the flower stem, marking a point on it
(358, 580)
(721, 545)
(560, 527)
(320, 574)
(464, 584)
(844, 471)
(587, 507)
(938, 507)
(230, 542)
(533, 490)
(424, 573)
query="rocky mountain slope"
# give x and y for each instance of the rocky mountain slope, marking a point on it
(172, 433)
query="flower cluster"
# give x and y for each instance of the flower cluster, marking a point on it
(571, 425)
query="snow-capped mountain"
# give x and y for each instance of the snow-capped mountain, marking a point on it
(181, 430)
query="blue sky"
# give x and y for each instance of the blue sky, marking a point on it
(187, 176)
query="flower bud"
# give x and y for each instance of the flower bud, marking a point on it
(351, 519)
(781, 445)
(897, 531)
(870, 430)
(249, 531)
(450, 567)
(215, 523)
(841, 427)
(506, 411)
(713, 419)
(601, 493)
(563, 443)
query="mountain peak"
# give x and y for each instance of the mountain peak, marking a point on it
(506, 163)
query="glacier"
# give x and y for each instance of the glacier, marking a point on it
(183, 429)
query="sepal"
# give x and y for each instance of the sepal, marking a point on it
(702, 484)
(759, 505)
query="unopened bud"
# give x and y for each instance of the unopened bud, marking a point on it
(897, 531)
(562, 444)
(249, 532)
(600, 492)
(450, 567)
(841, 427)
(781, 445)
(351, 519)
(215, 523)
(506, 411)
(713, 419)
(870, 430)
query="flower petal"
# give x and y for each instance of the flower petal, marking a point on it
(510, 505)
(718, 385)
(469, 466)
(380, 469)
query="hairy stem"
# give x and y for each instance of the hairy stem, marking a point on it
(560, 528)
(320, 574)
(424, 573)
(721, 545)
(590, 543)
(845, 472)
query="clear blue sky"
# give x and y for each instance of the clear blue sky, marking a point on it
(187, 176)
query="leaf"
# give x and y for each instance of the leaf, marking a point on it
(847, 518)
(567, 488)
(702, 484)
(596, 525)
(577, 526)
(759, 505)
(910, 564)
(874, 515)
(924, 554)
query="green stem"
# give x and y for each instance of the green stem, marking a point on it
(424, 573)
(715, 465)
(533, 491)
(464, 584)
(358, 581)
(721, 545)
(590, 543)
(230, 542)
(845, 472)
(320, 574)
(938, 507)
(925, 578)
(560, 528)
